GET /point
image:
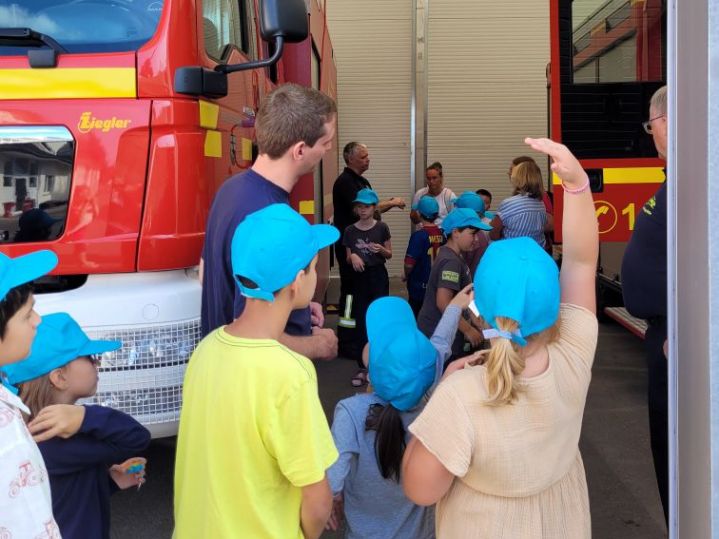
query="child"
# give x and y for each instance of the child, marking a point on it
(474, 202)
(368, 247)
(449, 275)
(486, 197)
(422, 249)
(85, 461)
(25, 503)
(507, 465)
(369, 429)
(254, 443)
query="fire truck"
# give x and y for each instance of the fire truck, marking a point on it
(607, 59)
(119, 120)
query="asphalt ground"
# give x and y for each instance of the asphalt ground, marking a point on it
(614, 444)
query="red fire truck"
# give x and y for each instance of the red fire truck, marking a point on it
(119, 120)
(607, 59)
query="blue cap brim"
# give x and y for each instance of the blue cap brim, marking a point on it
(98, 347)
(490, 214)
(27, 268)
(325, 235)
(484, 226)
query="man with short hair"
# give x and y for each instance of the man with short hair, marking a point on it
(644, 286)
(295, 127)
(344, 191)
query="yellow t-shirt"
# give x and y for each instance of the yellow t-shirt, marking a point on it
(252, 433)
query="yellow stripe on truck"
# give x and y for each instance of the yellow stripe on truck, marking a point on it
(213, 143)
(68, 83)
(627, 175)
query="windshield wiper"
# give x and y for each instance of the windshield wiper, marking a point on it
(24, 37)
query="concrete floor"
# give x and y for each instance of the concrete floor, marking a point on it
(614, 444)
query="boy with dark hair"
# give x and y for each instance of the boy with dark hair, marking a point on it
(486, 197)
(421, 251)
(25, 503)
(254, 444)
(295, 127)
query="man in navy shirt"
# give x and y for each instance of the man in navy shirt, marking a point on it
(295, 127)
(644, 286)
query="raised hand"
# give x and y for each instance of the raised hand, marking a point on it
(564, 164)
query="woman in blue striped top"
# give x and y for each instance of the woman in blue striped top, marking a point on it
(524, 213)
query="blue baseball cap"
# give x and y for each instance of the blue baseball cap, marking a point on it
(461, 218)
(471, 200)
(366, 196)
(517, 279)
(58, 341)
(427, 207)
(23, 269)
(271, 245)
(402, 361)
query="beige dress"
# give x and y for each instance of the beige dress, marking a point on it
(518, 467)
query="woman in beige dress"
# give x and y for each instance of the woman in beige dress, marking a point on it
(496, 447)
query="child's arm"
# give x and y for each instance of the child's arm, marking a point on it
(472, 334)
(497, 226)
(385, 249)
(446, 329)
(315, 509)
(579, 227)
(106, 436)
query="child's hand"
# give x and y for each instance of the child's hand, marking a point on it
(357, 262)
(474, 336)
(464, 297)
(564, 164)
(462, 362)
(374, 247)
(63, 420)
(125, 480)
(337, 514)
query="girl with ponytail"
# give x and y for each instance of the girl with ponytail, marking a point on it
(496, 447)
(370, 429)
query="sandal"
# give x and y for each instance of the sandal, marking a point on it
(360, 378)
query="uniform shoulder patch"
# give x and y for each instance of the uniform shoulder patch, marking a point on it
(450, 276)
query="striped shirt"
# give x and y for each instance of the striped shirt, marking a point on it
(522, 215)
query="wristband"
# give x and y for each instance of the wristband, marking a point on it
(578, 189)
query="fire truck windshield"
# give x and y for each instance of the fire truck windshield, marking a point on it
(82, 25)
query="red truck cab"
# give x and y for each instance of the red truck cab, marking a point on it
(120, 119)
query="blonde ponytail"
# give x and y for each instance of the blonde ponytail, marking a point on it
(503, 365)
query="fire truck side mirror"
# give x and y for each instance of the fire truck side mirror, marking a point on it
(281, 21)
(284, 18)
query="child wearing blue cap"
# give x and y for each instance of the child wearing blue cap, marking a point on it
(25, 503)
(507, 465)
(85, 448)
(421, 251)
(449, 275)
(254, 445)
(368, 246)
(473, 201)
(369, 429)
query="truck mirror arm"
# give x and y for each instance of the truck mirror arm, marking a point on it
(231, 68)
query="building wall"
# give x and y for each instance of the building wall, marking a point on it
(476, 68)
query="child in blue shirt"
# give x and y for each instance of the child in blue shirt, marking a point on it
(83, 446)
(369, 429)
(421, 250)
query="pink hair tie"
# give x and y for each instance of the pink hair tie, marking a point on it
(577, 190)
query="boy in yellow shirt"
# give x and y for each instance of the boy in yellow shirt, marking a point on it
(254, 443)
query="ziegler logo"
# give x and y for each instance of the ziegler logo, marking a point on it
(88, 122)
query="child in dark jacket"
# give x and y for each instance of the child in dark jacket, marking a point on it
(83, 446)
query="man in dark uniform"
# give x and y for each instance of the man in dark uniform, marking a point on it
(644, 285)
(344, 191)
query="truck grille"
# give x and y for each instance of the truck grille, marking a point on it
(144, 378)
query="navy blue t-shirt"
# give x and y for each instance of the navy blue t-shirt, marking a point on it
(78, 467)
(422, 249)
(222, 302)
(644, 267)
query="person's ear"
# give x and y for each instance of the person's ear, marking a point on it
(296, 285)
(58, 379)
(298, 150)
